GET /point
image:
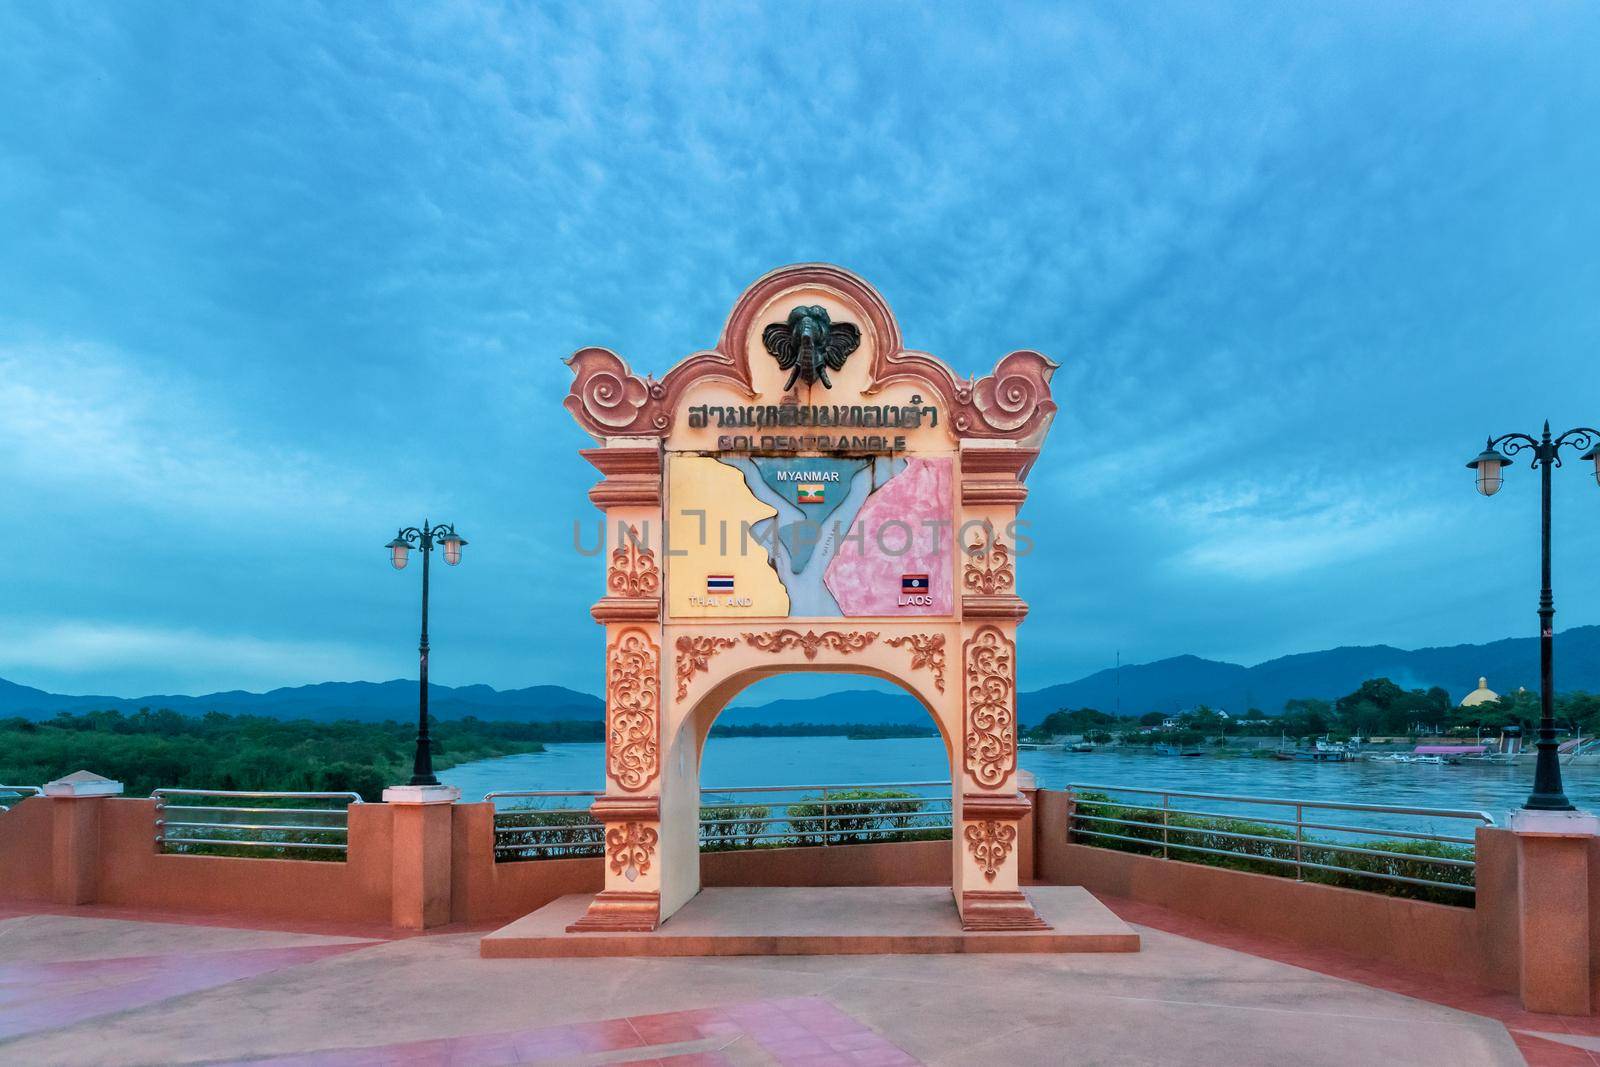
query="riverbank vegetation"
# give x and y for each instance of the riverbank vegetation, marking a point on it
(155, 749)
(1376, 708)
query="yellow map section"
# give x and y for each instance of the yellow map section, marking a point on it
(696, 484)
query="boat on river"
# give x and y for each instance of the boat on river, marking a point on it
(1324, 751)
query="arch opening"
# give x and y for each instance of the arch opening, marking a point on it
(684, 754)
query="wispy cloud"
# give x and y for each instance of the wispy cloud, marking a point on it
(85, 418)
(1267, 535)
(146, 659)
(271, 266)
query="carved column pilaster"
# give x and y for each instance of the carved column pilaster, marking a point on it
(631, 900)
(630, 608)
(630, 496)
(990, 896)
(991, 495)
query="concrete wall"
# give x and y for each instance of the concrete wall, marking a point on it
(1534, 930)
(110, 844)
(485, 891)
(1478, 944)
(132, 874)
(25, 851)
(889, 863)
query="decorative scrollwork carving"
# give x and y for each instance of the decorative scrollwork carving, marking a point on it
(633, 571)
(1012, 401)
(993, 575)
(633, 709)
(927, 650)
(811, 642)
(694, 656)
(607, 396)
(631, 847)
(990, 842)
(991, 719)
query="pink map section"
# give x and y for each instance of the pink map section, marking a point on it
(866, 581)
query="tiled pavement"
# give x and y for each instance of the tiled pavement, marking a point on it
(92, 987)
(1554, 1040)
(797, 1030)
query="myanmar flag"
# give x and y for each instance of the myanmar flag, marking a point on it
(809, 492)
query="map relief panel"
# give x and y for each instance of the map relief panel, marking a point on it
(809, 537)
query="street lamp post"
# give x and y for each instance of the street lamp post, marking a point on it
(423, 537)
(1499, 453)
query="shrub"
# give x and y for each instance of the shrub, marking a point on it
(1186, 835)
(856, 816)
(728, 827)
(562, 834)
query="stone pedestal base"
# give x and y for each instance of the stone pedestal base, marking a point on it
(421, 794)
(618, 911)
(1553, 885)
(998, 909)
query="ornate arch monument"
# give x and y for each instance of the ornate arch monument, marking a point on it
(809, 495)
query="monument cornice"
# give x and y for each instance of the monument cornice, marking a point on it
(1005, 607)
(632, 475)
(1012, 402)
(611, 809)
(626, 609)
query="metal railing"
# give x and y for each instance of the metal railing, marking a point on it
(1407, 855)
(538, 830)
(19, 792)
(275, 821)
(733, 818)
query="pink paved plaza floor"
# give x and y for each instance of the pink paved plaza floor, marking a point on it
(94, 986)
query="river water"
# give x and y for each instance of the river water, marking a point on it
(814, 761)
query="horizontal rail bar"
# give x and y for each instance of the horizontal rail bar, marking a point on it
(837, 803)
(804, 788)
(550, 829)
(1374, 831)
(337, 846)
(878, 832)
(255, 811)
(720, 789)
(23, 790)
(1289, 842)
(1289, 862)
(256, 826)
(1329, 805)
(831, 816)
(597, 845)
(354, 798)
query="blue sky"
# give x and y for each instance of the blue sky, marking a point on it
(277, 278)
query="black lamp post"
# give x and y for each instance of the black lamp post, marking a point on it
(424, 537)
(1499, 453)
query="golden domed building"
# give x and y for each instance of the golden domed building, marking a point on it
(1481, 695)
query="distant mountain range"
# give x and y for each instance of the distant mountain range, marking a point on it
(1166, 685)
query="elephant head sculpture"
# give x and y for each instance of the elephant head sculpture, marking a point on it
(809, 344)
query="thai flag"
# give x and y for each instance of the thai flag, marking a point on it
(719, 583)
(913, 583)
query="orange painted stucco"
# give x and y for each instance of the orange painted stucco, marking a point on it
(1535, 928)
(26, 833)
(1477, 944)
